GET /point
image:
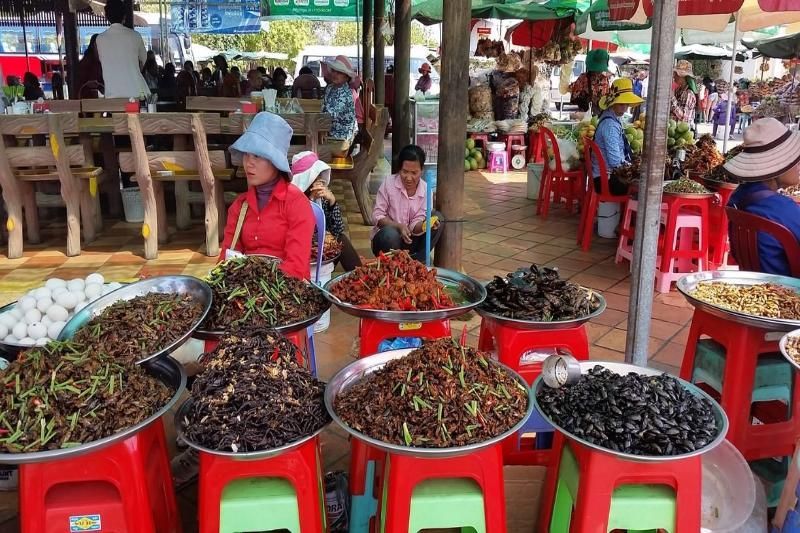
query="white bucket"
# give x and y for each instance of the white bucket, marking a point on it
(132, 204)
(607, 219)
(534, 179)
(325, 273)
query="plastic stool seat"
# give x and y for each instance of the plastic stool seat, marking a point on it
(447, 503)
(498, 161)
(373, 332)
(259, 504)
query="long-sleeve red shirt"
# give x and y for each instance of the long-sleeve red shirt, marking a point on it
(283, 228)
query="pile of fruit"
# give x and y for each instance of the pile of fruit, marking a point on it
(473, 157)
(635, 138)
(586, 129)
(679, 135)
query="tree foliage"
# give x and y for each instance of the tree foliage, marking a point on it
(284, 36)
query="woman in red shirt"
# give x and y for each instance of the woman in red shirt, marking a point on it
(273, 217)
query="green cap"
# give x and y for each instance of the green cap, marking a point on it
(597, 60)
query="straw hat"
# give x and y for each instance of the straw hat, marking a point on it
(267, 137)
(620, 92)
(307, 168)
(769, 150)
(683, 68)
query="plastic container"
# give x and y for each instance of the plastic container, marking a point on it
(534, 180)
(729, 490)
(607, 219)
(132, 204)
(325, 273)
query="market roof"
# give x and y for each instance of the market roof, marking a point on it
(785, 47)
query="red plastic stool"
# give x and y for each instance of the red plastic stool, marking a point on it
(484, 139)
(511, 139)
(744, 345)
(601, 473)
(675, 257)
(402, 473)
(300, 466)
(372, 332)
(125, 487)
(366, 473)
(719, 246)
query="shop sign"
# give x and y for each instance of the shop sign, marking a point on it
(202, 16)
(313, 9)
(700, 7)
(484, 31)
(622, 9)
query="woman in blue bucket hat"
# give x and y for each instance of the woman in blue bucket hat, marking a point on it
(273, 217)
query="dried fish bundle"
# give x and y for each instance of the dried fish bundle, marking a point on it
(253, 395)
(438, 396)
(633, 413)
(64, 394)
(538, 294)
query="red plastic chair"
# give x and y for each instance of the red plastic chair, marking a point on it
(560, 183)
(593, 198)
(743, 234)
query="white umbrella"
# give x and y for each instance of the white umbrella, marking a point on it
(202, 53)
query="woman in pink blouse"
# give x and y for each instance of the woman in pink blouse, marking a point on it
(400, 209)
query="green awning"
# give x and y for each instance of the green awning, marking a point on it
(430, 11)
(785, 47)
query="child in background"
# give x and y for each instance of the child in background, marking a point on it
(721, 114)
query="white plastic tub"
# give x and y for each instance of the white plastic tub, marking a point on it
(534, 180)
(132, 204)
(607, 219)
(325, 273)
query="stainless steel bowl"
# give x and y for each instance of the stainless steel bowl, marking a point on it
(688, 283)
(782, 345)
(555, 324)
(191, 286)
(469, 290)
(623, 368)
(166, 369)
(355, 372)
(180, 426)
(691, 195)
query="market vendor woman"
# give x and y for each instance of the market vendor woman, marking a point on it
(610, 135)
(770, 160)
(400, 208)
(273, 217)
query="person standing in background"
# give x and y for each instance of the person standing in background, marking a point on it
(150, 72)
(306, 85)
(121, 52)
(684, 101)
(90, 73)
(592, 85)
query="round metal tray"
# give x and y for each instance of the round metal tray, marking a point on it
(166, 369)
(782, 345)
(690, 195)
(11, 350)
(623, 368)
(191, 286)
(688, 283)
(206, 334)
(555, 324)
(180, 424)
(470, 291)
(355, 372)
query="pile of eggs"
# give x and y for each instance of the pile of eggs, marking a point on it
(41, 314)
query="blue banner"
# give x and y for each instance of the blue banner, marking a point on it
(217, 16)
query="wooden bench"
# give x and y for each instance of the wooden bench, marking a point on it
(180, 165)
(366, 160)
(22, 167)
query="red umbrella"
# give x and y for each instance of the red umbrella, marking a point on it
(779, 5)
(701, 7)
(622, 9)
(535, 34)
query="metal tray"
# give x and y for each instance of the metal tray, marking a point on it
(690, 195)
(782, 345)
(10, 350)
(623, 368)
(241, 456)
(555, 324)
(355, 372)
(688, 283)
(470, 290)
(166, 369)
(188, 285)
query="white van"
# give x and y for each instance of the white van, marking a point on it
(313, 56)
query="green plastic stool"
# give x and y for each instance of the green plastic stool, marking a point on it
(773, 473)
(259, 504)
(444, 504)
(633, 507)
(774, 375)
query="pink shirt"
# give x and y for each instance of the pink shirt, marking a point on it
(394, 202)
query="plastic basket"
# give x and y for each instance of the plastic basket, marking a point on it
(132, 204)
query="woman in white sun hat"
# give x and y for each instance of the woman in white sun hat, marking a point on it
(340, 104)
(769, 160)
(313, 176)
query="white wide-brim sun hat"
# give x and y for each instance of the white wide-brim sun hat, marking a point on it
(769, 151)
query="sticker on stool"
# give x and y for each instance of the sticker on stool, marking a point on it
(89, 522)
(410, 326)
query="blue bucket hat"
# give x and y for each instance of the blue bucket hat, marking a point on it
(268, 137)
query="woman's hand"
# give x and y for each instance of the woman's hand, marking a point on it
(405, 233)
(319, 190)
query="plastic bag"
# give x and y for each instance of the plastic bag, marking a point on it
(337, 501)
(399, 343)
(570, 158)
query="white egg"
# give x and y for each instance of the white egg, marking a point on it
(34, 315)
(7, 320)
(55, 283)
(58, 290)
(57, 313)
(27, 341)
(42, 341)
(76, 284)
(80, 295)
(20, 330)
(93, 291)
(67, 300)
(11, 339)
(37, 330)
(26, 302)
(3, 331)
(41, 293)
(95, 278)
(16, 313)
(44, 304)
(54, 329)
(46, 320)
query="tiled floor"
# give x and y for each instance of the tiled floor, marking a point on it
(501, 233)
